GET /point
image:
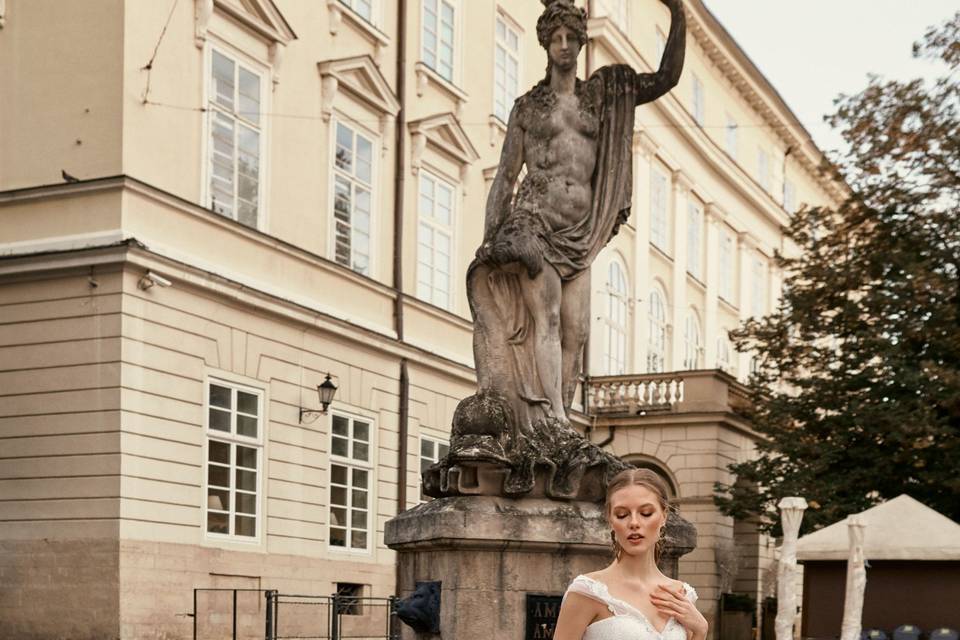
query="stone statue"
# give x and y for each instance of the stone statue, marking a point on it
(529, 285)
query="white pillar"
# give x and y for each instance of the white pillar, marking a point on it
(856, 581)
(678, 297)
(645, 150)
(746, 244)
(791, 515)
(711, 271)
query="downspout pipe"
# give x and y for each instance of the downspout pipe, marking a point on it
(400, 166)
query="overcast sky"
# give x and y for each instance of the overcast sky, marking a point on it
(813, 50)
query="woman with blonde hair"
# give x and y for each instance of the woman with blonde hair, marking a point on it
(632, 599)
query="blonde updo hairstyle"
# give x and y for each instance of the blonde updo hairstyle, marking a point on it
(639, 478)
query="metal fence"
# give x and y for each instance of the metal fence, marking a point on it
(251, 614)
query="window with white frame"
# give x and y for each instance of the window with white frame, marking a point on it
(351, 471)
(692, 347)
(235, 139)
(727, 266)
(732, 132)
(725, 360)
(439, 37)
(617, 11)
(506, 65)
(759, 289)
(694, 240)
(435, 240)
(657, 333)
(659, 222)
(431, 452)
(363, 8)
(789, 197)
(763, 168)
(698, 101)
(615, 349)
(352, 197)
(234, 459)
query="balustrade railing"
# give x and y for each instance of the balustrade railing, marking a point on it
(634, 394)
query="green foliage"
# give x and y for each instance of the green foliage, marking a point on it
(857, 393)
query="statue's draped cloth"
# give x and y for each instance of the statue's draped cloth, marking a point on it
(503, 326)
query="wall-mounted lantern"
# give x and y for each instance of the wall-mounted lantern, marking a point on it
(326, 390)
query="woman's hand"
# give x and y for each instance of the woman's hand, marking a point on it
(672, 601)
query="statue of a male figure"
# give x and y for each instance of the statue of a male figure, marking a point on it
(529, 286)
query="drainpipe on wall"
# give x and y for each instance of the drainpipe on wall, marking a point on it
(400, 165)
(399, 186)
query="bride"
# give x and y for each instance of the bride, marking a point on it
(631, 599)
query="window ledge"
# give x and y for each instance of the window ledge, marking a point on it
(729, 305)
(663, 254)
(426, 75)
(697, 281)
(378, 38)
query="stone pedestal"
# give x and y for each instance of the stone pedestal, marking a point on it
(490, 552)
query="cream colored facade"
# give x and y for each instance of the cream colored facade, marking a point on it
(198, 141)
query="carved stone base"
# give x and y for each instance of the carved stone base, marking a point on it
(490, 553)
(490, 456)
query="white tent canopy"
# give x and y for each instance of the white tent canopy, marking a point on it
(899, 529)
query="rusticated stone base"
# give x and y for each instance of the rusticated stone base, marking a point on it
(490, 552)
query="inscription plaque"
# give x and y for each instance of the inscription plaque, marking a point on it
(542, 612)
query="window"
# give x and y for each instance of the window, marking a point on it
(617, 10)
(759, 294)
(349, 599)
(352, 198)
(698, 101)
(439, 37)
(659, 224)
(789, 197)
(431, 451)
(234, 452)
(763, 168)
(727, 270)
(434, 241)
(506, 64)
(732, 130)
(350, 482)
(694, 240)
(235, 144)
(725, 360)
(363, 8)
(691, 342)
(615, 352)
(657, 334)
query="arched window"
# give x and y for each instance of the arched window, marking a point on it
(615, 349)
(692, 347)
(657, 333)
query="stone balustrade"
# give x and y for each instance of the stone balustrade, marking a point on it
(634, 393)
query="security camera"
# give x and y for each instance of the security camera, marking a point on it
(150, 278)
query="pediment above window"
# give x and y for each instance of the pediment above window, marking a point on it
(604, 32)
(444, 133)
(260, 17)
(360, 77)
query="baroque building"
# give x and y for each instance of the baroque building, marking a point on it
(209, 206)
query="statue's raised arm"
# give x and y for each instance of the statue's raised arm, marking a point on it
(651, 86)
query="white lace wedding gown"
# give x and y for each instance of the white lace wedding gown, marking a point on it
(627, 622)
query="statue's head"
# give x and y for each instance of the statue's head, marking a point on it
(561, 13)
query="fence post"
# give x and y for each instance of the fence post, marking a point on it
(392, 618)
(194, 613)
(234, 614)
(335, 631)
(268, 634)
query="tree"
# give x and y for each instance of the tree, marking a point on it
(857, 390)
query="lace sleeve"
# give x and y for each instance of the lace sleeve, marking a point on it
(691, 592)
(589, 588)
